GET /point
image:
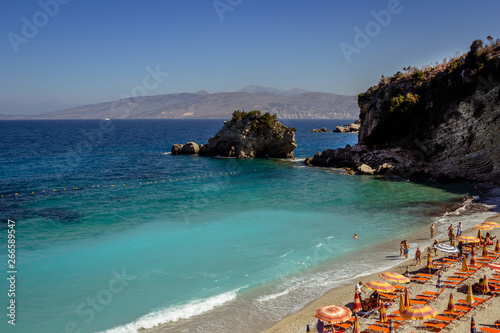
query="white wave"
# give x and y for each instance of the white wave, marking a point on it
(175, 313)
(167, 153)
(319, 245)
(272, 296)
(285, 254)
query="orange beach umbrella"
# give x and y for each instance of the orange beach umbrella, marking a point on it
(395, 277)
(497, 247)
(333, 313)
(380, 286)
(465, 267)
(493, 224)
(355, 325)
(451, 304)
(407, 298)
(401, 304)
(485, 251)
(470, 296)
(468, 239)
(419, 312)
(357, 303)
(485, 287)
(483, 226)
(383, 314)
(473, 258)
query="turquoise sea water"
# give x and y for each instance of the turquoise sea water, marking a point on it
(133, 237)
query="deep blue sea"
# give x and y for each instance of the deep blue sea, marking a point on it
(114, 234)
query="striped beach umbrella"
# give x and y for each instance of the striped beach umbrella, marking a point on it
(497, 247)
(494, 224)
(380, 286)
(407, 298)
(483, 226)
(394, 277)
(333, 313)
(446, 248)
(383, 314)
(468, 239)
(355, 325)
(451, 304)
(485, 287)
(485, 251)
(465, 267)
(470, 297)
(472, 259)
(401, 304)
(357, 303)
(472, 325)
(494, 266)
(419, 312)
(439, 282)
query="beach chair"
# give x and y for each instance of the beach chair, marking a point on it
(434, 293)
(489, 330)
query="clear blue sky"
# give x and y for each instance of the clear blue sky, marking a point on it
(94, 51)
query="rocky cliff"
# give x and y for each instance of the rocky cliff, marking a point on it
(441, 122)
(247, 134)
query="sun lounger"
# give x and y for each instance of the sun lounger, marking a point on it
(490, 330)
(444, 318)
(433, 293)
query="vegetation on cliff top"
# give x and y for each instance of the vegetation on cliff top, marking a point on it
(261, 121)
(420, 98)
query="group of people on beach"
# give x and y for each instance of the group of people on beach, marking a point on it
(370, 303)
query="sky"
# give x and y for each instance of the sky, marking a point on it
(76, 52)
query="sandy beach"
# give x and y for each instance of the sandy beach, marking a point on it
(485, 314)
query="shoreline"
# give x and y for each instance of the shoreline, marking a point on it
(343, 295)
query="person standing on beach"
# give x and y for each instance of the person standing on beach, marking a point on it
(359, 288)
(401, 248)
(432, 230)
(418, 256)
(451, 235)
(435, 250)
(407, 249)
(459, 229)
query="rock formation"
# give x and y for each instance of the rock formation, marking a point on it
(247, 134)
(441, 122)
(321, 130)
(349, 128)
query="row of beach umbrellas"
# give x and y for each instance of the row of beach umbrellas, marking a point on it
(339, 314)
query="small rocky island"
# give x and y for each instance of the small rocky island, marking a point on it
(246, 135)
(349, 128)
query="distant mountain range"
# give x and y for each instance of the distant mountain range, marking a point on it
(291, 104)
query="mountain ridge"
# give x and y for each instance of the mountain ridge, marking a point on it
(202, 105)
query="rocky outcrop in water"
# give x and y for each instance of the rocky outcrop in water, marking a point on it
(246, 135)
(441, 122)
(320, 130)
(349, 128)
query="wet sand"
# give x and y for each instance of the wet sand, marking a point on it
(484, 315)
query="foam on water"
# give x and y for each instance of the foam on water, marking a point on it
(175, 313)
